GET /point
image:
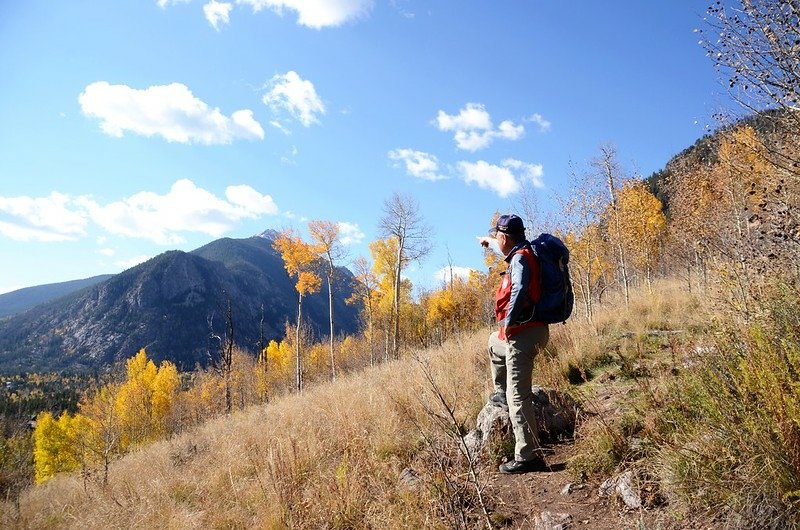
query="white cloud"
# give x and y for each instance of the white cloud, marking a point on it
(185, 208)
(443, 274)
(164, 3)
(249, 202)
(543, 124)
(106, 252)
(52, 218)
(473, 129)
(144, 215)
(316, 13)
(295, 95)
(530, 172)
(350, 233)
(290, 157)
(278, 125)
(217, 13)
(509, 131)
(170, 111)
(505, 179)
(418, 164)
(472, 116)
(132, 262)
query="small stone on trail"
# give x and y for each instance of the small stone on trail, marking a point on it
(552, 521)
(566, 490)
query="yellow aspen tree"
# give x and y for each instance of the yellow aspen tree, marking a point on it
(166, 386)
(56, 446)
(642, 226)
(588, 266)
(262, 372)
(403, 223)
(582, 209)
(365, 291)
(384, 253)
(483, 304)
(348, 350)
(298, 260)
(607, 169)
(145, 399)
(441, 309)
(134, 404)
(325, 235)
(100, 409)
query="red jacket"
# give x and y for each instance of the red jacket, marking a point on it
(519, 291)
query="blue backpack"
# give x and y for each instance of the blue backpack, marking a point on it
(555, 304)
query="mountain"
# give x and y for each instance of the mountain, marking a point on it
(23, 299)
(775, 129)
(171, 305)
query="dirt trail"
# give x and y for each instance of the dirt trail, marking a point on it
(519, 499)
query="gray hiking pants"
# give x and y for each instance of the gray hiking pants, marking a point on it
(512, 371)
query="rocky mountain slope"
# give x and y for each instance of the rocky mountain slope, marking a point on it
(172, 305)
(23, 299)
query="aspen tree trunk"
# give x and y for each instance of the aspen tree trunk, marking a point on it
(298, 358)
(587, 291)
(396, 309)
(371, 336)
(330, 315)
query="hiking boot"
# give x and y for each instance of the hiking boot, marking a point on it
(513, 467)
(499, 399)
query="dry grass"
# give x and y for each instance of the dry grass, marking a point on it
(332, 457)
(582, 347)
(329, 458)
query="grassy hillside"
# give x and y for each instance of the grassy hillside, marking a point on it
(333, 457)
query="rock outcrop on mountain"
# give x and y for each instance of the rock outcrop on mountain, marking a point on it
(173, 305)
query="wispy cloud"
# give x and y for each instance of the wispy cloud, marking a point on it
(316, 14)
(417, 163)
(164, 3)
(295, 95)
(444, 274)
(170, 111)
(473, 129)
(350, 233)
(51, 218)
(544, 125)
(505, 179)
(217, 13)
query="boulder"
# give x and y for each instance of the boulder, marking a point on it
(555, 419)
(622, 485)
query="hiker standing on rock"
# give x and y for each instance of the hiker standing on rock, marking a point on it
(519, 338)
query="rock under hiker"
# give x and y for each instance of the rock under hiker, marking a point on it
(513, 347)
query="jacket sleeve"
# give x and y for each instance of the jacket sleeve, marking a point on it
(520, 274)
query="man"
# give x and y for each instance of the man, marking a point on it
(514, 345)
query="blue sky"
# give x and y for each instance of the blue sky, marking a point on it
(135, 127)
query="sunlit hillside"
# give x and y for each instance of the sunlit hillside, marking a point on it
(333, 457)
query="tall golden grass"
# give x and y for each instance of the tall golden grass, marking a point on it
(329, 458)
(333, 456)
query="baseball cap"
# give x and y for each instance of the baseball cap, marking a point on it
(508, 224)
